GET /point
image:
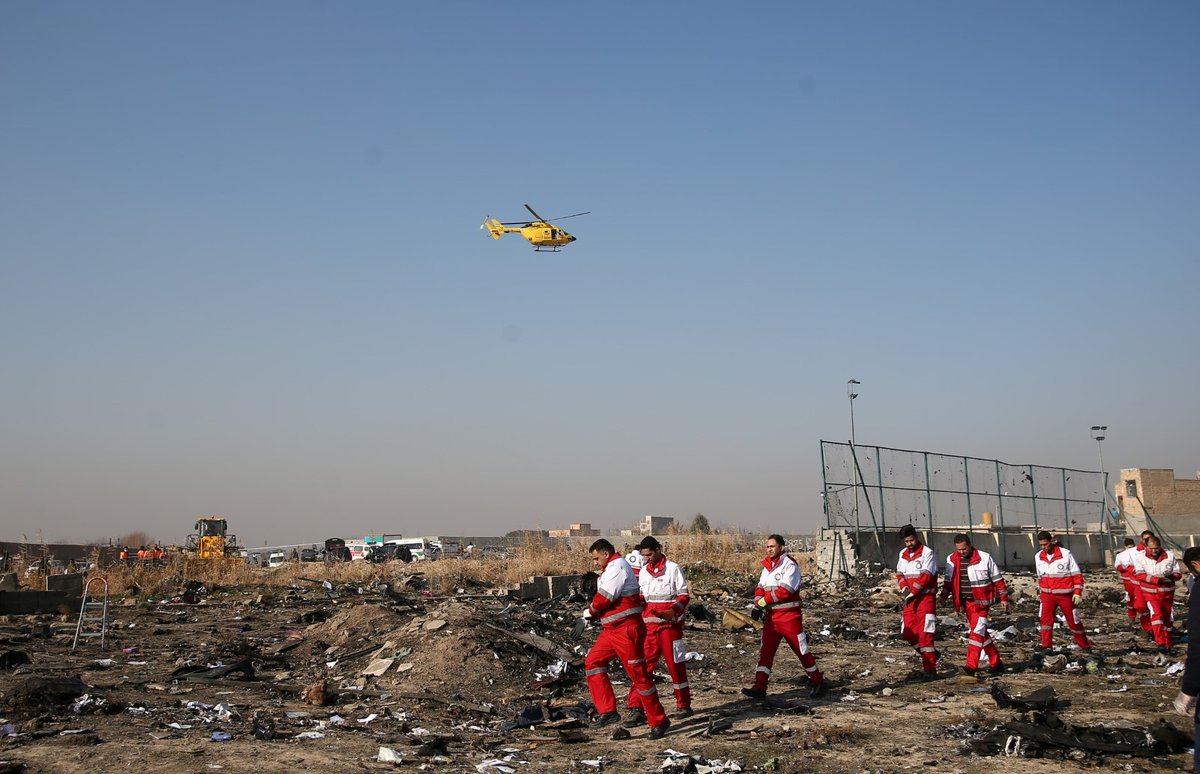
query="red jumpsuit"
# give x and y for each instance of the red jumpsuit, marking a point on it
(916, 574)
(986, 586)
(1156, 575)
(779, 585)
(1059, 578)
(618, 607)
(1135, 606)
(664, 588)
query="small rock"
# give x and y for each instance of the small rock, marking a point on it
(1054, 664)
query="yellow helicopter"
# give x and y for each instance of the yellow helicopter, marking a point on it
(544, 237)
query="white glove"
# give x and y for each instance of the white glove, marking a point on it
(586, 614)
(1076, 599)
(1185, 705)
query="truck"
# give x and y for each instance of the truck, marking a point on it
(450, 549)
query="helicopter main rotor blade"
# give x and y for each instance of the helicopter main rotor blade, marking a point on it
(539, 217)
(564, 217)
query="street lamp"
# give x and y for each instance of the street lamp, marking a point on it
(851, 394)
(1098, 435)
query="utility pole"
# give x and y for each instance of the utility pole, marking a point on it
(851, 394)
(1098, 434)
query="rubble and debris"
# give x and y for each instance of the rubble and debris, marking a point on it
(1053, 738)
(1043, 698)
(12, 659)
(350, 669)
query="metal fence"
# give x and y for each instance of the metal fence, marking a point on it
(875, 488)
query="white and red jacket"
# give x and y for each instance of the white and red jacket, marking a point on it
(917, 570)
(664, 588)
(617, 596)
(779, 584)
(987, 584)
(1058, 572)
(1125, 561)
(636, 560)
(1156, 575)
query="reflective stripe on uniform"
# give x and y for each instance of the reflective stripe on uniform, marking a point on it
(623, 614)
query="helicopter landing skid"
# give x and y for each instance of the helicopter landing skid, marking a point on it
(547, 250)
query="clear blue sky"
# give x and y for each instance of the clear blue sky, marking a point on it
(241, 271)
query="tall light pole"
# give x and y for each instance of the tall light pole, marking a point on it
(851, 395)
(1098, 435)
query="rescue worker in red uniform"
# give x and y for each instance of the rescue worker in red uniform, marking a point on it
(916, 574)
(975, 583)
(1156, 572)
(1060, 586)
(618, 607)
(777, 602)
(665, 590)
(1123, 564)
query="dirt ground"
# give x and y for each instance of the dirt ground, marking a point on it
(281, 672)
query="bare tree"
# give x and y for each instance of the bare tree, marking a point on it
(137, 538)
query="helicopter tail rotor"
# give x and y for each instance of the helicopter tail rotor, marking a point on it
(494, 226)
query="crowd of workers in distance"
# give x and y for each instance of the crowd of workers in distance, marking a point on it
(146, 554)
(641, 601)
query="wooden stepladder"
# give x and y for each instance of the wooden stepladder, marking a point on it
(93, 612)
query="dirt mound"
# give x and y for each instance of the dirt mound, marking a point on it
(355, 623)
(442, 649)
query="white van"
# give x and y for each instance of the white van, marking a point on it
(276, 559)
(421, 548)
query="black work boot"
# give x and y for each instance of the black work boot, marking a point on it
(634, 718)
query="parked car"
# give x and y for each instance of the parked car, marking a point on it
(56, 567)
(496, 552)
(388, 552)
(336, 551)
(310, 555)
(276, 559)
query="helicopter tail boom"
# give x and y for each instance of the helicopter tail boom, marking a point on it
(494, 226)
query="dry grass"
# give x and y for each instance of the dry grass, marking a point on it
(721, 553)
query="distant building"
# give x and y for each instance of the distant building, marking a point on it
(582, 529)
(654, 525)
(1172, 503)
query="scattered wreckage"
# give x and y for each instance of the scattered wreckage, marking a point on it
(387, 673)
